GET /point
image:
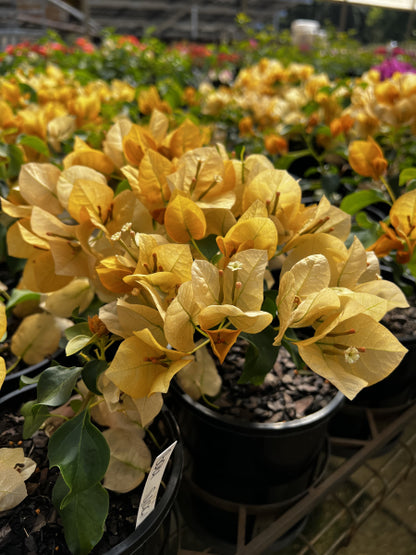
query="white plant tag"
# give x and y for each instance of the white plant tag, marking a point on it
(151, 487)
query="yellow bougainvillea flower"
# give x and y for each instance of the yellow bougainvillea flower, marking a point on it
(279, 191)
(6, 115)
(201, 376)
(254, 230)
(60, 129)
(131, 313)
(162, 266)
(84, 155)
(10, 91)
(91, 201)
(39, 274)
(3, 320)
(341, 124)
(245, 171)
(86, 108)
(38, 336)
(150, 184)
(149, 99)
(367, 159)
(2, 371)
(142, 366)
(111, 271)
(275, 144)
(136, 142)
(186, 137)
(352, 350)
(65, 242)
(78, 294)
(401, 237)
(184, 220)
(215, 298)
(304, 294)
(207, 176)
(222, 341)
(113, 141)
(67, 179)
(245, 126)
(323, 218)
(38, 186)
(353, 273)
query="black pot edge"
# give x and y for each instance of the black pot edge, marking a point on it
(136, 540)
(10, 380)
(248, 428)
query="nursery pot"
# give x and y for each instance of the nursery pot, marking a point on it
(151, 537)
(264, 466)
(12, 380)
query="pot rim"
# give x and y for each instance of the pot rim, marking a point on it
(247, 427)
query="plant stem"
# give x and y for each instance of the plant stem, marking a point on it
(153, 438)
(13, 366)
(389, 190)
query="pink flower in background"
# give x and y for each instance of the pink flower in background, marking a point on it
(85, 44)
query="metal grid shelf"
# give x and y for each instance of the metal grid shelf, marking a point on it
(351, 489)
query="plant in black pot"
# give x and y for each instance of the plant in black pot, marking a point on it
(193, 297)
(93, 447)
(181, 255)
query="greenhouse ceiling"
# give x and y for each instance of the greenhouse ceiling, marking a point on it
(396, 4)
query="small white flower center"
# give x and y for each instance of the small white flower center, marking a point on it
(235, 265)
(351, 355)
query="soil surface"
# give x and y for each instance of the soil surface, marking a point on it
(402, 321)
(285, 394)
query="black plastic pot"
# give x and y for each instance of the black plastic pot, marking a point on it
(264, 466)
(12, 380)
(152, 536)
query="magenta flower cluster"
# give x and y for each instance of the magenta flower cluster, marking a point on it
(390, 66)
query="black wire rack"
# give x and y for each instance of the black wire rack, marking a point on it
(352, 487)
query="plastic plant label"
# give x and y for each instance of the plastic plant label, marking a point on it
(151, 487)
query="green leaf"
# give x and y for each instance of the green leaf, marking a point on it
(83, 516)
(15, 160)
(284, 162)
(34, 142)
(330, 183)
(25, 88)
(269, 302)
(35, 415)
(78, 329)
(208, 246)
(90, 373)
(80, 451)
(21, 295)
(76, 344)
(27, 380)
(354, 202)
(260, 356)
(79, 336)
(56, 385)
(406, 175)
(122, 186)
